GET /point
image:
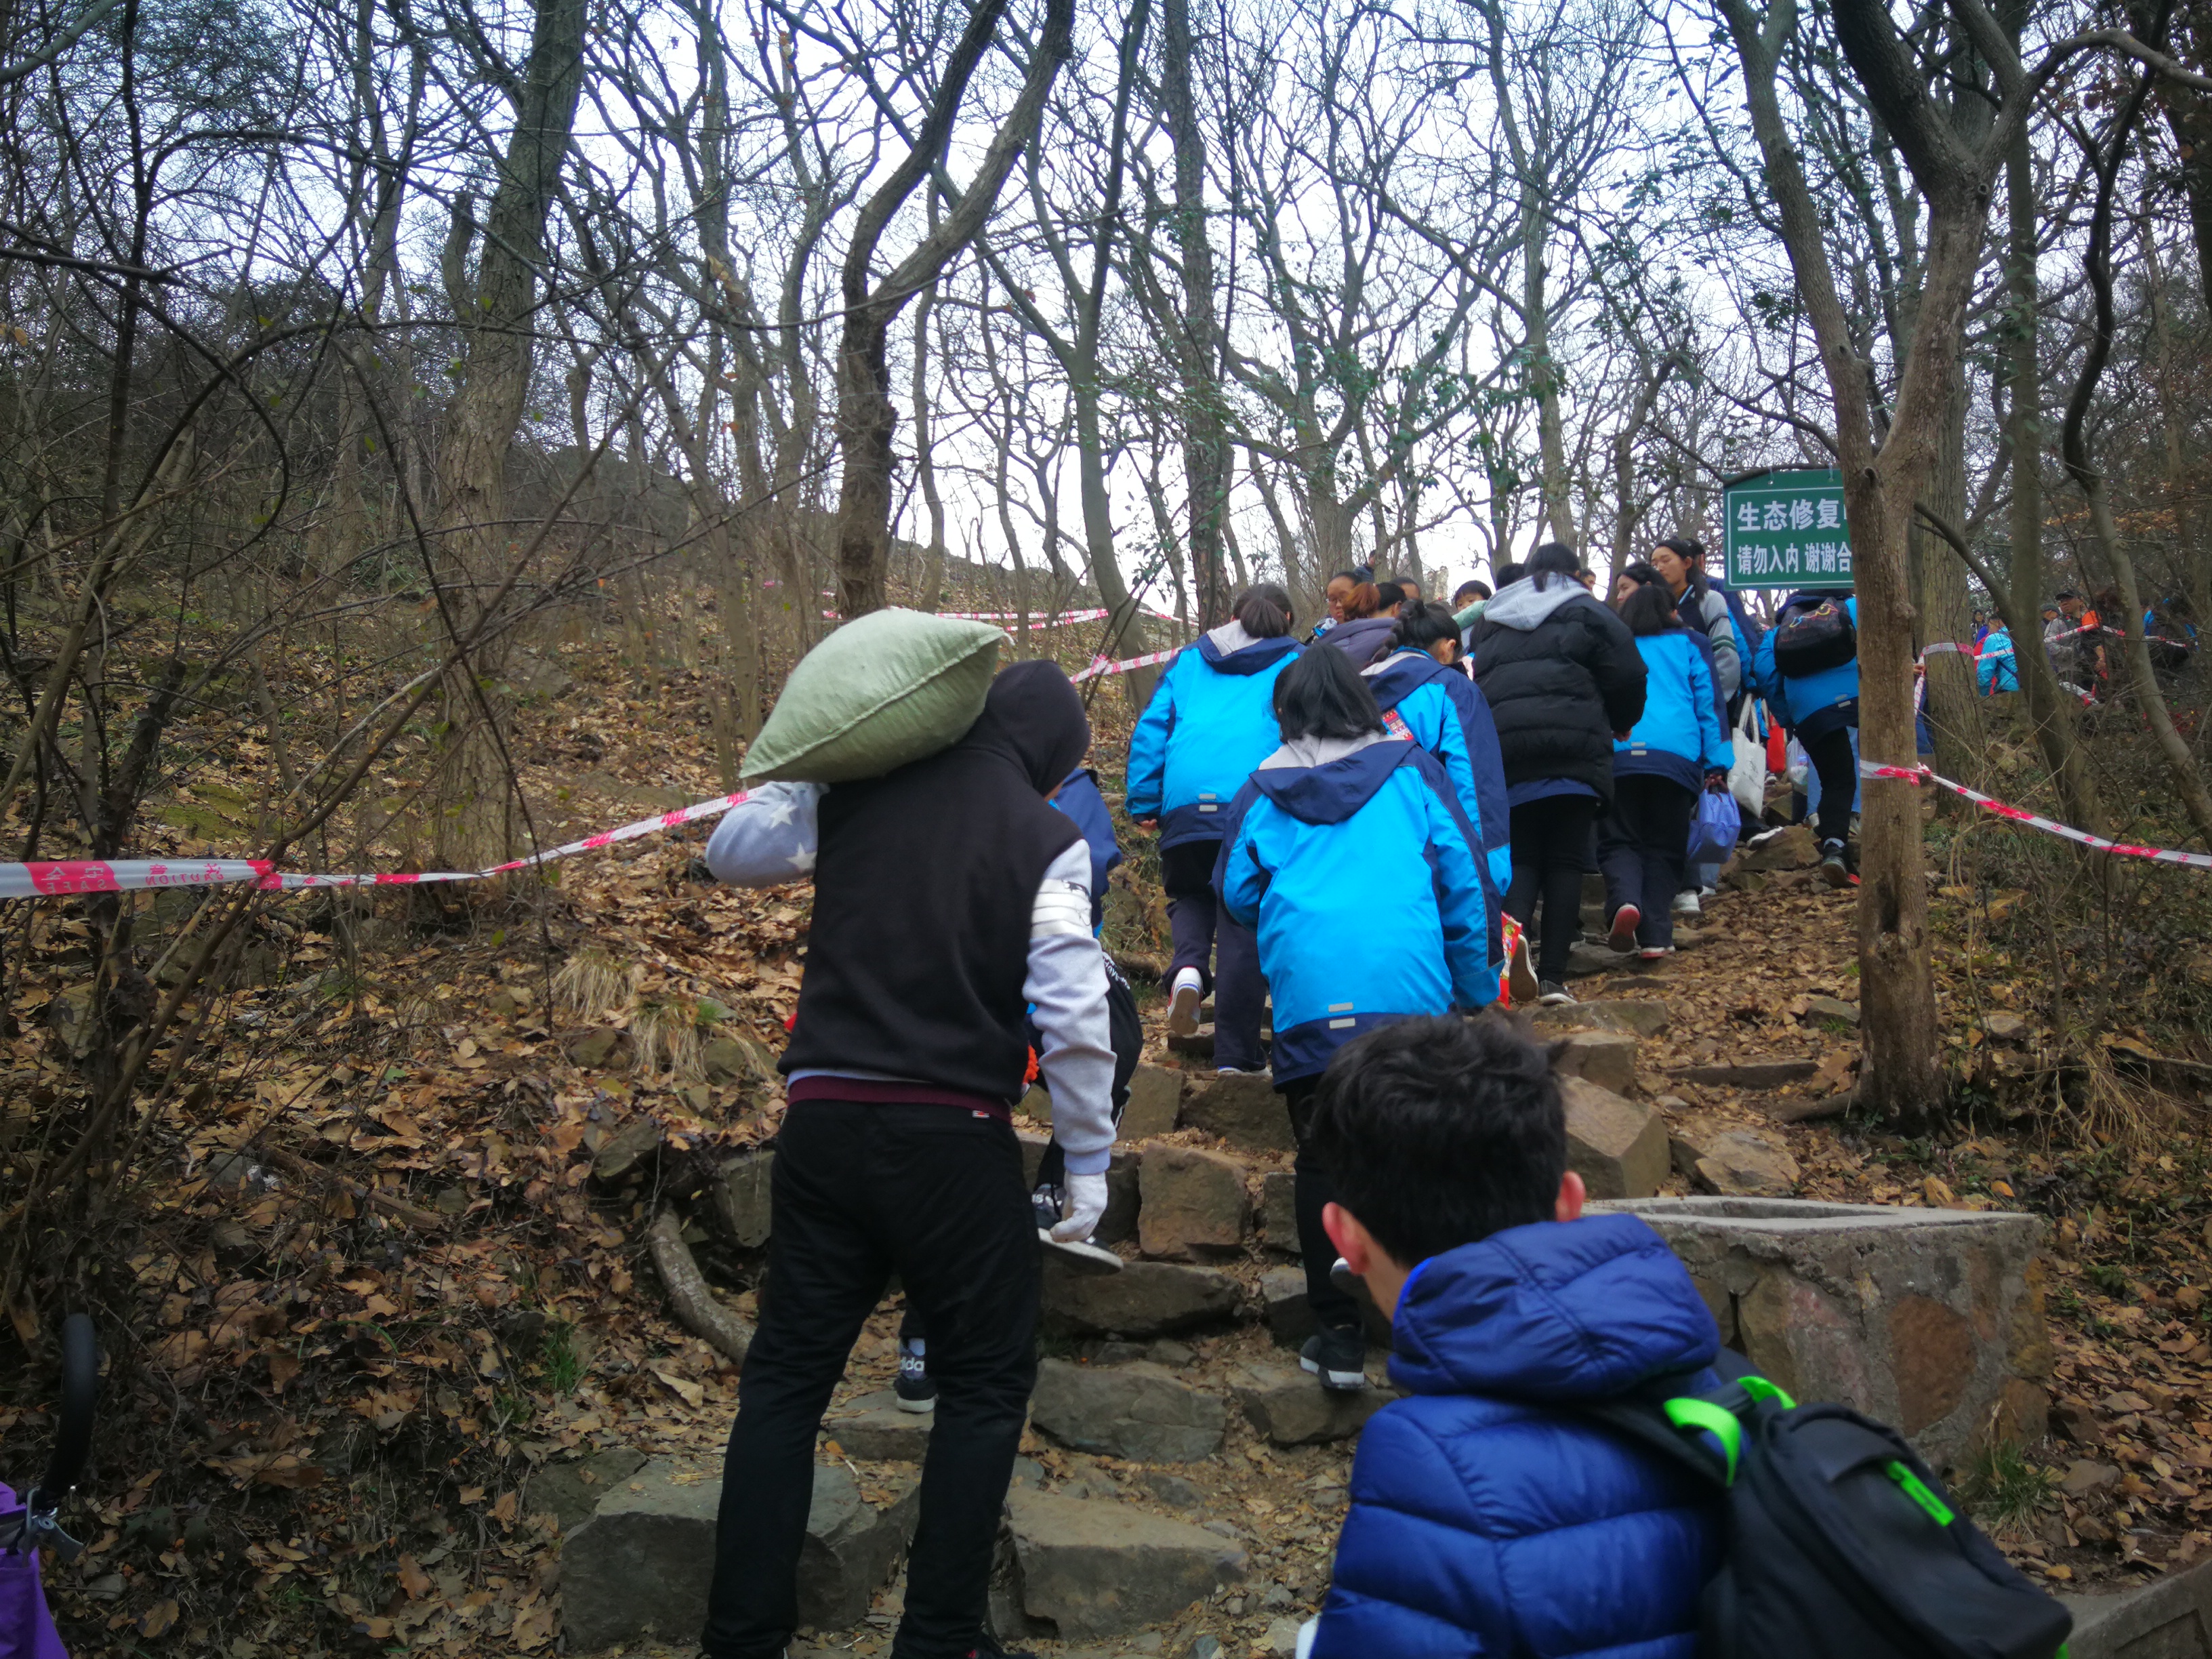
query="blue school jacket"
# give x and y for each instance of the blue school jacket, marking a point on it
(1211, 721)
(1816, 703)
(1998, 669)
(1079, 798)
(1445, 711)
(1363, 879)
(1486, 1517)
(1680, 735)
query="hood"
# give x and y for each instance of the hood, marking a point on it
(1327, 780)
(1523, 606)
(1401, 674)
(1229, 649)
(1033, 719)
(1559, 1310)
(1361, 638)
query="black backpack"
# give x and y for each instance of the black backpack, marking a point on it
(1840, 1543)
(1812, 634)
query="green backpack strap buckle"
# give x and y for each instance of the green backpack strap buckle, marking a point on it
(1688, 1412)
(1917, 1489)
(1761, 1389)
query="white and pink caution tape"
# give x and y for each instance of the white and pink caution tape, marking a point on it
(1919, 774)
(129, 875)
(1016, 616)
(1102, 666)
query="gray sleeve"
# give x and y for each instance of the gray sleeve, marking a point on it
(768, 838)
(1720, 628)
(1067, 989)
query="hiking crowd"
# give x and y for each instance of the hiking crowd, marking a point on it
(1354, 829)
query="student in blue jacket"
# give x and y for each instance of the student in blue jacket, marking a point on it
(1678, 747)
(1996, 667)
(1821, 709)
(1211, 721)
(1419, 686)
(1341, 810)
(1488, 1516)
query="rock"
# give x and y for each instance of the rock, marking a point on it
(625, 1152)
(1092, 1569)
(1585, 959)
(1606, 1058)
(1167, 1352)
(1821, 1009)
(2084, 1476)
(1926, 1318)
(1192, 1203)
(234, 1172)
(1281, 1638)
(1751, 1073)
(873, 1428)
(2001, 1027)
(1194, 1045)
(742, 1198)
(1036, 1105)
(1792, 848)
(1207, 1647)
(1171, 1490)
(2169, 1618)
(641, 1565)
(1636, 1015)
(1743, 1163)
(739, 1059)
(1279, 1211)
(1244, 1111)
(1124, 1200)
(570, 1491)
(1618, 1147)
(1291, 1409)
(1138, 1412)
(1155, 1098)
(603, 1050)
(1146, 1299)
(1283, 1298)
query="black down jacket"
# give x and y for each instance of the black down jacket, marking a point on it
(1561, 674)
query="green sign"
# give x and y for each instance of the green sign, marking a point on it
(1787, 529)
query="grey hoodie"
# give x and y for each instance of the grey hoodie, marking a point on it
(1523, 606)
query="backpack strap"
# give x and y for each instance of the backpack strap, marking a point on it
(1674, 1424)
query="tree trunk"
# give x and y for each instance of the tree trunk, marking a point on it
(1946, 610)
(1205, 429)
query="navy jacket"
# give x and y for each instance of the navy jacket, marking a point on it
(1443, 711)
(1079, 798)
(1486, 1517)
(1211, 721)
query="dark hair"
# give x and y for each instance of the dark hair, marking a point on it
(1650, 609)
(1439, 1131)
(1322, 695)
(1508, 574)
(1421, 624)
(1481, 590)
(2067, 594)
(1688, 549)
(1265, 610)
(1357, 575)
(1642, 575)
(1388, 594)
(1554, 559)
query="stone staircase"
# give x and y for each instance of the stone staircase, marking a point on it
(1164, 1380)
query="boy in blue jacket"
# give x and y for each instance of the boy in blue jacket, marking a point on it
(1488, 1516)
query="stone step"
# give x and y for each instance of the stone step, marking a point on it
(1146, 1299)
(1244, 1111)
(872, 1428)
(1141, 1412)
(1087, 1568)
(1618, 1146)
(1288, 1406)
(1199, 1044)
(2169, 1618)
(1634, 1016)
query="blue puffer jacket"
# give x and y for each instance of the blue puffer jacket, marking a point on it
(1211, 721)
(1486, 1519)
(1443, 711)
(1680, 735)
(1378, 817)
(1814, 704)
(1998, 667)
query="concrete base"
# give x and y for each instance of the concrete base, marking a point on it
(2169, 1618)
(1931, 1320)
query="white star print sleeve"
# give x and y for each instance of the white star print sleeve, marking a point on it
(768, 841)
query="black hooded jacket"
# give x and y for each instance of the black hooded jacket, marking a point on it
(1562, 674)
(924, 883)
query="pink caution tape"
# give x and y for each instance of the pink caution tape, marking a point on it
(1918, 775)
(1102, 666)
(131, 875)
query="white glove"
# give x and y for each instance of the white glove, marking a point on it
(1081, 1210)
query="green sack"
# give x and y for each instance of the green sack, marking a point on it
(892, 687)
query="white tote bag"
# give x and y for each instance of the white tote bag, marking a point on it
(1747, 776)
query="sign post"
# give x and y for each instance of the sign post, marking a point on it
(1787, 529)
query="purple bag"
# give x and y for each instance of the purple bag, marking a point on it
(27, 1629)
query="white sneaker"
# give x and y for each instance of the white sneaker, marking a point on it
(1182, 1007)
(1686, 904)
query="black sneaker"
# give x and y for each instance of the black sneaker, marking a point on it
(1626, 919)
(916, 1393)
(986, 1647)
(1555, 995)
(1339, 1358)
(1046, 1205)
(1833, 870)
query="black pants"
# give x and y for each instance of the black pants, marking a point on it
(934, 1195)
(1203, 929)
(1642, 845)
(1314, 1190)
(1830, 756)
(1551, 851)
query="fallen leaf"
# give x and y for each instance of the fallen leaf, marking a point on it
(690, 1392)
(158, 1618)
(412, 1578)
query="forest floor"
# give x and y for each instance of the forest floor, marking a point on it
(371, 1295)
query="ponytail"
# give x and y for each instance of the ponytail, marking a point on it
(1264, 609)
